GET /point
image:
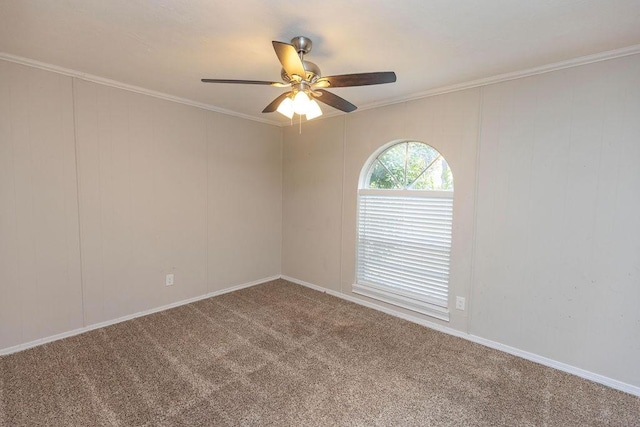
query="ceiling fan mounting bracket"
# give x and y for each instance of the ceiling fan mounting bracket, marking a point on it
(302, 45)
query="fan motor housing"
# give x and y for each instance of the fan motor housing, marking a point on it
(313, 72)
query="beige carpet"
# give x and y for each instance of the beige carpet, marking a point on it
(280, 354)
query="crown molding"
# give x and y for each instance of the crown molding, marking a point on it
(556, 66)
(131, 88)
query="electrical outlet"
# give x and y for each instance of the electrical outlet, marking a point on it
(168, 280)
(460, 303)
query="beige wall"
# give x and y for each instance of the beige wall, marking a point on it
(312, 202)
(93, 215)
(40, 289)
(245, 201)
(558, 217)
(546, 208)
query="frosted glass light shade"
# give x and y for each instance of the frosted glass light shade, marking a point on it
(286, 108)
(313, 110)
(301, 103)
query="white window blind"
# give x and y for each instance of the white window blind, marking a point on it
(404, 245)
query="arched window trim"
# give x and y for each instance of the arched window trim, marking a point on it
(368, 167)
(425, 301)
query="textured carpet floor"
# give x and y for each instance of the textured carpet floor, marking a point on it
(281, 354)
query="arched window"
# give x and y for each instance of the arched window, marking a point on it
(405, 213)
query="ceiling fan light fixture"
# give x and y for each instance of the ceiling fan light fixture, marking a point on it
(301, 103)
(286, 108)
(313, 110)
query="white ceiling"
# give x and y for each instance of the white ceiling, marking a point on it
(168, 45)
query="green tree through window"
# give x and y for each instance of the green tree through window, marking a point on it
(410, 166)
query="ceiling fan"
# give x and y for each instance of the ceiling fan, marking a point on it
(307, 83)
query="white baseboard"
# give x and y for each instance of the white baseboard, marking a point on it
(82, 330)
(618, 385)
(601, 379)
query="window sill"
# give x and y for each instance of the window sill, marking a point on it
(401, 301)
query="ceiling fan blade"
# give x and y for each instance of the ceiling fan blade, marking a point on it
(335, 101)
(245, 82)
(289, 59)
(360, 79)
(275, 103)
